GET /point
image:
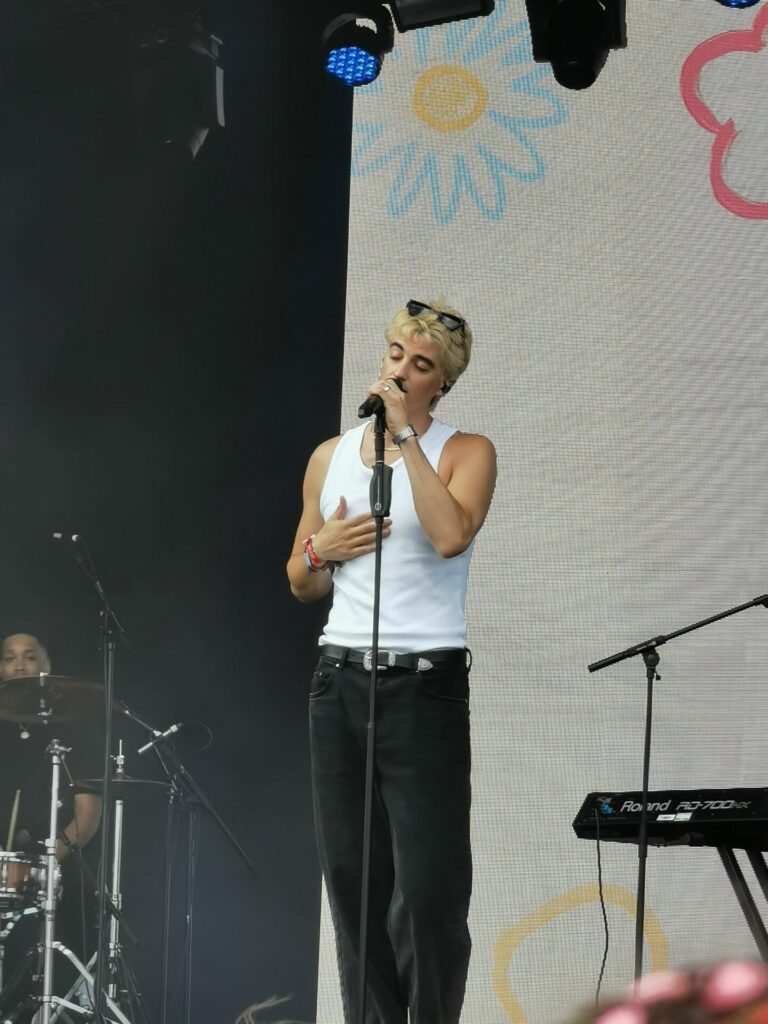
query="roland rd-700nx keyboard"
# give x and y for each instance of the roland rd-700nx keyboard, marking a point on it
(736, 818)
(728, 819)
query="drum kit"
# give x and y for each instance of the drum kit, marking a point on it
(30, 885)
(105, 991)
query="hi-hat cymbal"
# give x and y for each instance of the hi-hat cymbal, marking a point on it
(47, 698)
(122, 786)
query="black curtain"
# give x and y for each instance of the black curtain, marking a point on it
(171, 349)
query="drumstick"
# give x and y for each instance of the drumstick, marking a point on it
(14, 816)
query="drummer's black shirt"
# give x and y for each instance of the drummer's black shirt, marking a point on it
(25, 766)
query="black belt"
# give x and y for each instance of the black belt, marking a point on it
(418, 661)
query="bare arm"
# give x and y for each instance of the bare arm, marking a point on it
(84, 825)
(305, 585)
(452, 506)
(336, 540)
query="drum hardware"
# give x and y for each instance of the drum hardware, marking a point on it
(48, 890)
(86, 985)
(56, 752)
(79, 999)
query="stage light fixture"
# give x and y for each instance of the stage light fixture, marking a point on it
(177, 85)
(738, 5)
(355, 53)
(576, 36)
(409, 14)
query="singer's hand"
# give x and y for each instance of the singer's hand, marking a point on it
(394, 401)
(340, 539)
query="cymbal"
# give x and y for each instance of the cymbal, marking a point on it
(47, 698)
(122, 786)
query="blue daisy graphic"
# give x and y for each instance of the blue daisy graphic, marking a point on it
(455, 117)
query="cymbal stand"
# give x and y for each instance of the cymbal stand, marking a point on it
(56, 753)
(115, 894)
(48, 1001)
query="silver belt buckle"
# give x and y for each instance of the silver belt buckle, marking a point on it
(368, 659)
(424, 665)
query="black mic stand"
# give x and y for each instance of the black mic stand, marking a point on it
(185, 794)
(648, 651)
(381, 497)
(110, 628)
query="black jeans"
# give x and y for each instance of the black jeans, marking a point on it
(421, 862)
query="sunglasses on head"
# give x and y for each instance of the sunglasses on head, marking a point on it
(453, 323)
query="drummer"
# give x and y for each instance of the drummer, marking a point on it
(25, 783)
(24, 655)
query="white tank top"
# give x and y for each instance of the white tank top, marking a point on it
(422, 594)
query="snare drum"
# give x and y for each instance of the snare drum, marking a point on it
(18, 878)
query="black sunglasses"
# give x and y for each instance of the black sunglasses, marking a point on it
(453, 323)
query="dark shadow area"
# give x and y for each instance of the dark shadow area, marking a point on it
(171, 347)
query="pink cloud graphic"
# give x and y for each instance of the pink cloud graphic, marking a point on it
(725, 132)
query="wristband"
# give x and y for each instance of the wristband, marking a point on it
(404, 434)
(311, 560)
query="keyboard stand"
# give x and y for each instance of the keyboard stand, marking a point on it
(757, 860)
(744, 896)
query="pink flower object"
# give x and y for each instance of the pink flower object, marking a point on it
(653, 988)
(734, 983)
(725, 133)
(627, 1013)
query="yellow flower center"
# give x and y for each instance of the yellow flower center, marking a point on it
(449, 98)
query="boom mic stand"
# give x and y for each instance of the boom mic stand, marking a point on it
(187, 793)
(648, 651)
(381, 497)
(110, 628)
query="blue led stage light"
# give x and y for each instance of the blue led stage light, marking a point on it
(353, 65)
(738, 4)
(355, 52)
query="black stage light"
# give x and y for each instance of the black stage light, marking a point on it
(576, 36)
(177, 84)
(410, 14)
(355, 53)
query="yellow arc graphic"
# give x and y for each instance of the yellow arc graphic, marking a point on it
(449, 98)
(509, 940)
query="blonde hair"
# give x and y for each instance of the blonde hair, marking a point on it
(455, 346)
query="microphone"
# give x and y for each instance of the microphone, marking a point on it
(77, 543)
(176, 727)
(375, 403)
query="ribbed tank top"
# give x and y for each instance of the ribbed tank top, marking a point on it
(422, 594)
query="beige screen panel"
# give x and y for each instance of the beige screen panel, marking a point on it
(616, 290)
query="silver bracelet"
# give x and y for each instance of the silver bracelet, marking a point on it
(404, 434)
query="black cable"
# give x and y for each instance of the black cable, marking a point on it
(179, 990)
(602, 907)
(137, 1001)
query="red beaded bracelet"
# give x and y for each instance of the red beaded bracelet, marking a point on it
(311, 559)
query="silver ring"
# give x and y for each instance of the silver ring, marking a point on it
(387, 387)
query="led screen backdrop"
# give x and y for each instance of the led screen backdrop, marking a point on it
(609, 250)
